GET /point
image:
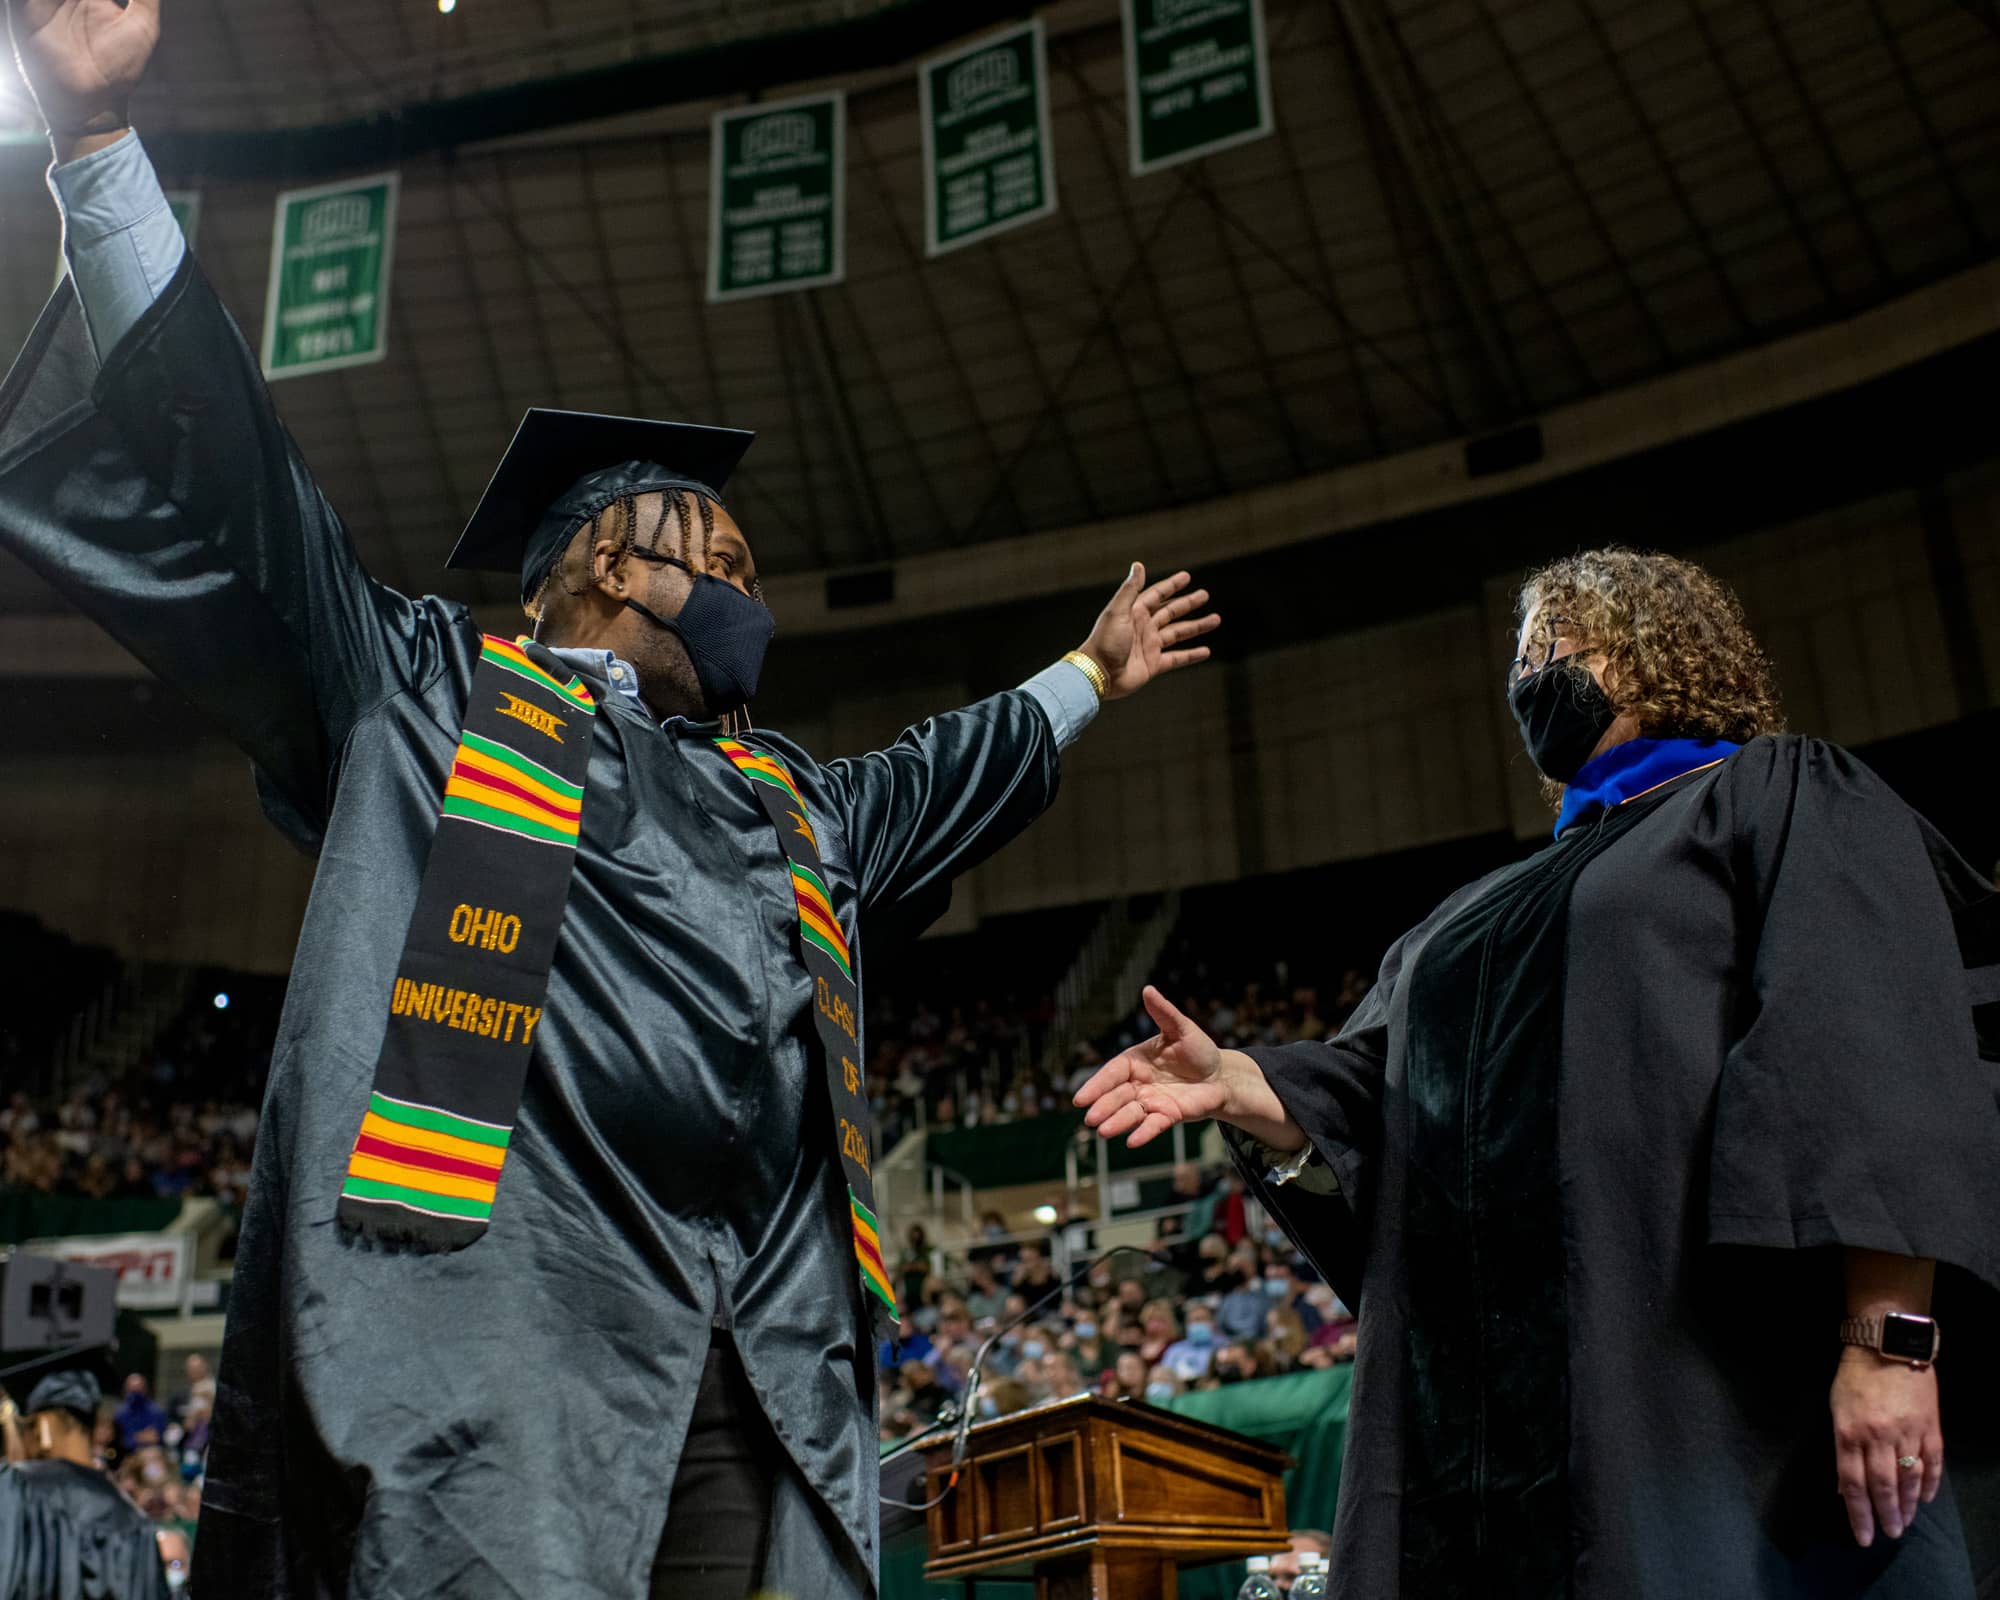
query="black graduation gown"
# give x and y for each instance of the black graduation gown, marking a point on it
(1596, 1131)
(505, 1419)
(66, 1533)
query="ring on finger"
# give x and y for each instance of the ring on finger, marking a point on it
(1910, 1463)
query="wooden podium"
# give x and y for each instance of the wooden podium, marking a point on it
(1100, 1499)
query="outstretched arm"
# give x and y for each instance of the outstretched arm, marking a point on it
(1181, 1075)
(81, 60)
(144, 472)
(954, 789)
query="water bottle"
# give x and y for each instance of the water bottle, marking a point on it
(1258, 1586)
(1312, 1577)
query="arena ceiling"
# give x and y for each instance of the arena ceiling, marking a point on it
(1472, 211)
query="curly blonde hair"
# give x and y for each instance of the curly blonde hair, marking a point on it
(1681, 659)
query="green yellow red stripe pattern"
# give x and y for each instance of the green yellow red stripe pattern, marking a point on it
(501, 788)
(755, 764)
(868, 1252)
(509, 655)
(818, 926)
(426, 1159)
(836, 1012)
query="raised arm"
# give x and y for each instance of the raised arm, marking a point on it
(143, 469)
(954, 789)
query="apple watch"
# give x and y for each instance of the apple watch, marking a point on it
(1897, 1336)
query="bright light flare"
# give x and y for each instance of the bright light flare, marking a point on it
(222, 1002)
(1045, 1215)
(447, 7)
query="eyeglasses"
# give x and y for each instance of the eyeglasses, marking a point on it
(1543, 654)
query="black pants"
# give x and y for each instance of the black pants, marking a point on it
(719, 1510)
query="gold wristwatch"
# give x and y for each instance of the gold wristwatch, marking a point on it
(1090, 669)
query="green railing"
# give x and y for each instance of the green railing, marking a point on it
(25, 1214)
(1029, 1150)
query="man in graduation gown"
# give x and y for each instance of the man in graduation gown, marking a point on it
(66, 1533)
(1639, 1159)
(639, 1352)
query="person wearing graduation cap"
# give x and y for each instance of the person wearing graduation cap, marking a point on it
(66, 1532)
(559, 1273)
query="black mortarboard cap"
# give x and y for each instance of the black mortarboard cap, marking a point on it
(566, 466)
(65, 1391)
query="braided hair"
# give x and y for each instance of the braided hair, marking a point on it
(573, 577)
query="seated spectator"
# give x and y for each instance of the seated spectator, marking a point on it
(914, 1269)
(1033, 1276)
(1233, 1363)
(176, 1557)
(200, 1388)
(914, 1343)
(1128, 1305)
(1160, 1326)
(140, 1418)
(1089, 1349)
(984, 1295)
(1127, 1378)
(923, 1395)
(1188, 1357)
(1285, 1334)
(1060, 1375)
(1242, 1311)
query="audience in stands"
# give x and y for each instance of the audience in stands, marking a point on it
(1209, 1305)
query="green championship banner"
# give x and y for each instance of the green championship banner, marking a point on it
(777, 204)
(327, 304)
(1197, 78)
(989, 163)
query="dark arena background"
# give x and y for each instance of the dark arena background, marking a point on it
(1358, 310)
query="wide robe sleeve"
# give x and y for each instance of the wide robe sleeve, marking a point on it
(1855, 1107)
(164, 498)
(1332, 1092)
(947, 794)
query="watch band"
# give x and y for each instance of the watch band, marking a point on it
(1090, 669)
(1872, 1333)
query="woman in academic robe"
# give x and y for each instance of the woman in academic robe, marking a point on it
(1658, 1165)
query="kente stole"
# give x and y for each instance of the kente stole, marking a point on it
(467, 997)
(468, 992)
(836, 1003)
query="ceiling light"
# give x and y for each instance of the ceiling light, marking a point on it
(447, 7)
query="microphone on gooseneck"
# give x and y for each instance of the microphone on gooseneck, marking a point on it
(968, 1399)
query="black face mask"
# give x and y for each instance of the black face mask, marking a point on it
(726, 634)
(1562, 713)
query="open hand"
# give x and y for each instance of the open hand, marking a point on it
(1144, 632)
(1883, 1410)
(1175, 1076)
(83, 58)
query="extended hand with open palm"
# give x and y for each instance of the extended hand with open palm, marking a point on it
(1175, 1076)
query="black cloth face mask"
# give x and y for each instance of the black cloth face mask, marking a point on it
(1562, 714)
(726, 634)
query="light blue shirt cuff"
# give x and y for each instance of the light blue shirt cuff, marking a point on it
(119, 236)
(1066, 699)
